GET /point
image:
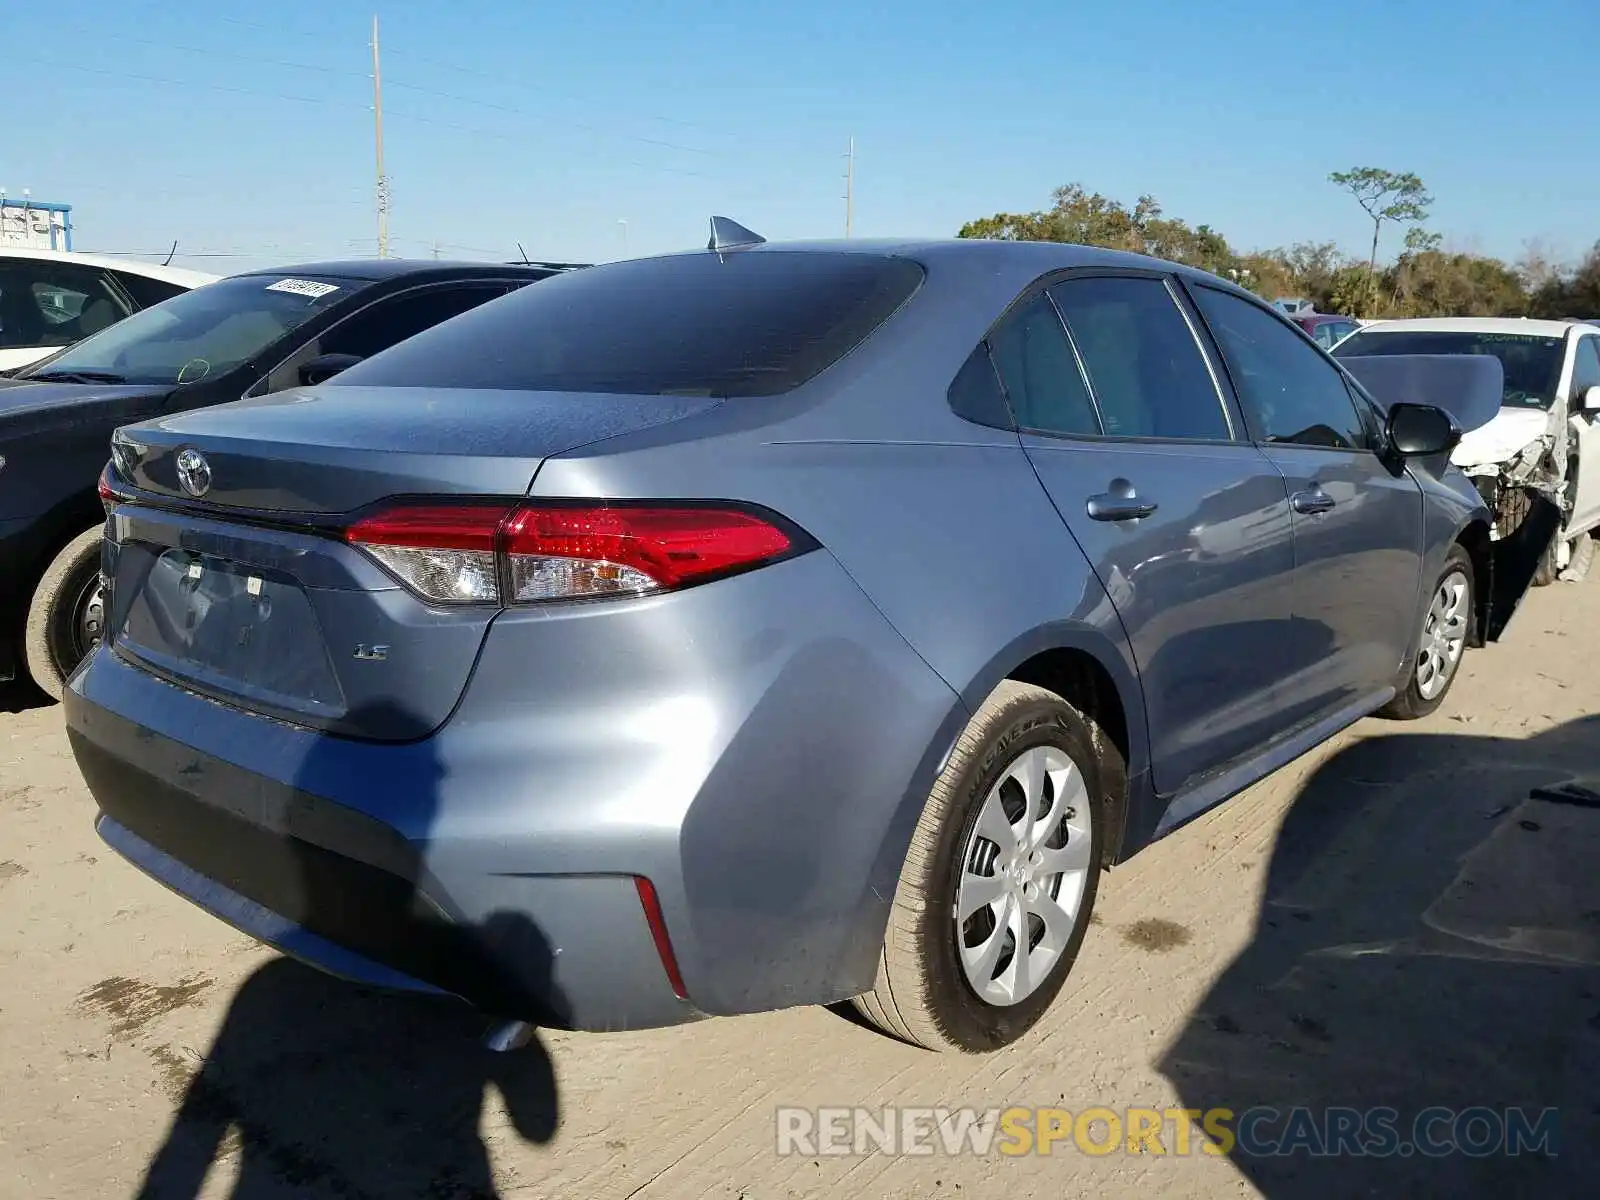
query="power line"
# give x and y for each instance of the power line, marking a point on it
(516, 81)
(346, 73)
(163, 44)
(522, 140)
(165, 81)
(506, 108)
(457, 68)
(214, 87)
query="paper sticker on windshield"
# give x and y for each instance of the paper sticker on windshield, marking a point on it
(303, 287)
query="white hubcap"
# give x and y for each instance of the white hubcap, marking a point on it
(1444, 634)
(1023, 873)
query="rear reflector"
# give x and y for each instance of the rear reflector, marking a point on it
(658, 931)
(532, 552)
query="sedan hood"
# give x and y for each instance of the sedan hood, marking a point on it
(1511, 430)
(28, 408)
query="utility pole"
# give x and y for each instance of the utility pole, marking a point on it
(377, 129)
(849, 185)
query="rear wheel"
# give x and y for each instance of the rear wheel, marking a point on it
(1446, 628)
(67, 616)
(999, 882)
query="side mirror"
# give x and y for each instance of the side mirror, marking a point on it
(325, 366)
(1590, 400)
(1421, 430)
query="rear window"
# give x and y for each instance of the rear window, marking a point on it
(746, 323)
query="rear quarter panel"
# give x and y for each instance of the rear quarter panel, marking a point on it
(941, 523)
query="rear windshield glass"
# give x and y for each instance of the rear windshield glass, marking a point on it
(746, 323)
(1532, 363)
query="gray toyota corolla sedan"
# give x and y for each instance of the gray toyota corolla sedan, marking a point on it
(761, 626)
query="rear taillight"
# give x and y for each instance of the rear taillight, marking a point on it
(109, 496)
(443, 552)
(533, 552)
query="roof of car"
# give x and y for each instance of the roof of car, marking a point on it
(1513, 325)
(1016, 262)
(376, 270)
(181, 276)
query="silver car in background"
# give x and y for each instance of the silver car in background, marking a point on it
(762, 626)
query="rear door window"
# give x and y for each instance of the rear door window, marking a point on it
(745, 323)
(385, 323)
(1146, 370)
(48, 303)
(147, 292)
(976, 395)
(1040, 373)
(391, 321)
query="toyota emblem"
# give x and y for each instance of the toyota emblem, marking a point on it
(194, 473)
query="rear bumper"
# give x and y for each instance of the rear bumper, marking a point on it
(342, 891)
(759, 749)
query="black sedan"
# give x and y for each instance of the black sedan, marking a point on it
(248, 335)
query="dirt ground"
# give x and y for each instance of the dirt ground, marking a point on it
(1393, 919)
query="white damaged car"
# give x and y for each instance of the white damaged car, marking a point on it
(1545, 440)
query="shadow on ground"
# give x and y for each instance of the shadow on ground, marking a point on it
(21, 696)
(317, 1087)
(1429, 938)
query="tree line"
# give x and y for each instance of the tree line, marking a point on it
(1424, 280)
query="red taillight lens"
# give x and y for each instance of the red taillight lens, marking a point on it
(109, 496)
(561, 552)
(443, 552)
(434, 526)
(533, 552)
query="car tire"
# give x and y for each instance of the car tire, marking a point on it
(1445, 630)
(65, 618)
(1549, 570)
(925, 992)
(1550, 566)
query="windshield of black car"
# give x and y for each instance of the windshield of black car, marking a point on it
(198, 334)
(1532, 362)
(744, 323)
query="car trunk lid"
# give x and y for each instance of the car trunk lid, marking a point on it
(336, 449)
(249, 593)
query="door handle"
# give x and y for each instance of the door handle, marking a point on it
(1312, 501)
(1119, 503)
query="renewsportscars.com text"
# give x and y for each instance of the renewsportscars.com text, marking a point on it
(1479, 1132)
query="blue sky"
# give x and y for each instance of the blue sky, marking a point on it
(551, 124)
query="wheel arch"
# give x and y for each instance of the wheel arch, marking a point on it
(1095, 674)
(1094, 670)
(1473, 537)
(72, 515)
